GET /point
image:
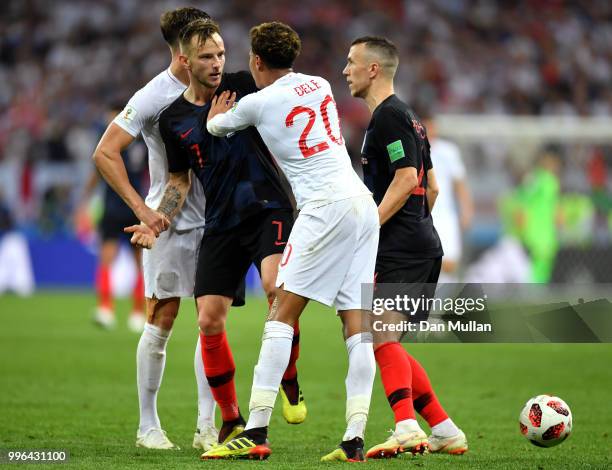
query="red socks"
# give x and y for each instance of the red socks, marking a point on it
(105, 294)
(425, 401)
(103, 286)
(138, 294)
(407, 385)
(291, 371)
(219, 368)
(396, 375)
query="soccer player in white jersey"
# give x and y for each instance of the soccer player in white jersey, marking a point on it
(169, 268)
(454, 208)
(332, 248)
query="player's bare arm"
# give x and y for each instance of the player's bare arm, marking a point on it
(175, 193)
(432, 189)
(107, 158)
(404, 182)
(465, 203)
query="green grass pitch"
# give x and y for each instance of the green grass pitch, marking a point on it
(66, 384)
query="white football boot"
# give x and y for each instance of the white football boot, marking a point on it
(155, 438)
(205, 438)
(454, 445)
(414, 442)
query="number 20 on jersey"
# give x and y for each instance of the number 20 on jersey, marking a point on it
(309, 151)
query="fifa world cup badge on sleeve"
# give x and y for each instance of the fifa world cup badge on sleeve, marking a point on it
(129, 113)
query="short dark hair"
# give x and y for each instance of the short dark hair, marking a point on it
(172, 22)
(202, 29)
(384, 49)
(277, 44)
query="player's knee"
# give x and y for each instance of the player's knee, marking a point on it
(210, 324)
(211, 318)
(212, 313)
(162, 313)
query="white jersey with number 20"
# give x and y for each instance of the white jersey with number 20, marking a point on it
(297, 118)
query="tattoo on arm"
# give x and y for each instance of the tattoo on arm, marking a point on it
(174, 195)
(170, 201)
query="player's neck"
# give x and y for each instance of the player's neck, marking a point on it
(177, 69)
(198, 94)
(377, 94)
(272, 75)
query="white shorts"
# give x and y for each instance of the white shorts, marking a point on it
(450, 236)
(332, 251)
(169, 267)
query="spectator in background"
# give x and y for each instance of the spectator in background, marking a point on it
(55, 205)
(454, 208)
(116, 215)
(467, 57)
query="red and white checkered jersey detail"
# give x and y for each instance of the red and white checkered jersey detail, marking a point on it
(298, 120)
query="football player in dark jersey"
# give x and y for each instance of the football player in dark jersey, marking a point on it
(398, 170)
(248, 213)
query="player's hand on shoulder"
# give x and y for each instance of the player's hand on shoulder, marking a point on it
(156, 221)
(221, 104)
(142, 235)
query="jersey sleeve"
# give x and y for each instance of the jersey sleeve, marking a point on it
(135, 114)
(396, 138)
(177, 160)
(245, 113)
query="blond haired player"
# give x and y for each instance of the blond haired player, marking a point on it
(169, 268)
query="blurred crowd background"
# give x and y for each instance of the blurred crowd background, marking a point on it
(63, 62)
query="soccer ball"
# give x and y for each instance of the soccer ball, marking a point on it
(546, 421)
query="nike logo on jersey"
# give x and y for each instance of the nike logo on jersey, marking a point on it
(186, 133)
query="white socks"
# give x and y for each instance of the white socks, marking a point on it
(359, 381)
(445, 429)
(150, 362)
(206, 401)
(273, 359)
(407, 426)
